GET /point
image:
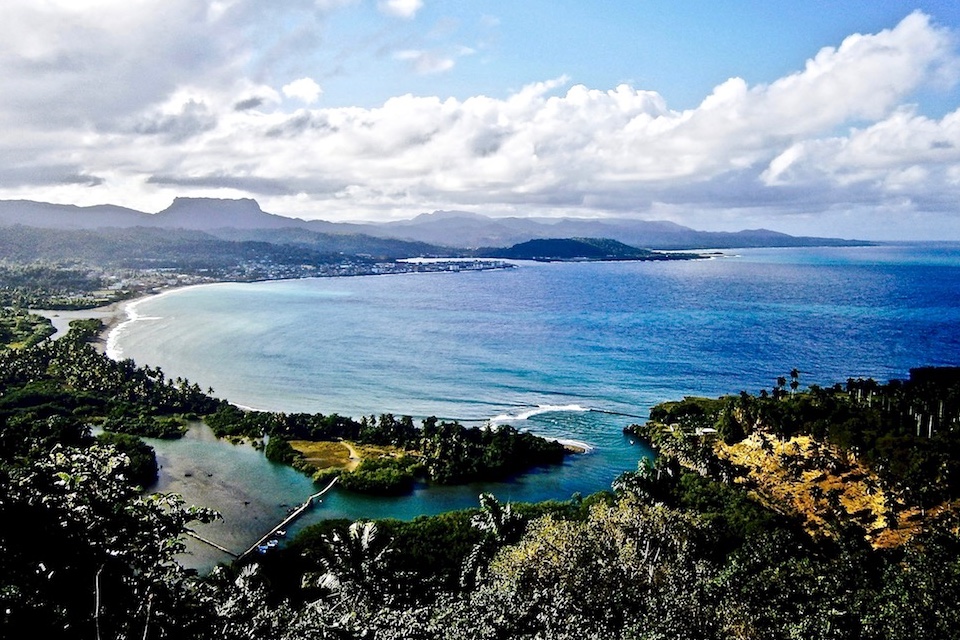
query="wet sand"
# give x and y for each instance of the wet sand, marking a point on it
(110, 315)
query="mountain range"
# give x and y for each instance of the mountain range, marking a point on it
(244, 220)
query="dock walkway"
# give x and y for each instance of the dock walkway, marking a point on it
(294, 515)
(213, 544)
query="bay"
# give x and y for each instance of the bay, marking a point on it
(566, 350)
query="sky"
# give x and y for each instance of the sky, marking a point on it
(810, 117)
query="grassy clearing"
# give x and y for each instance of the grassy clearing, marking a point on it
(326, 455)
(341, 454)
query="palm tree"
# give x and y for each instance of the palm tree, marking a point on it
(356, 566)
(778, 391)
(499, 526)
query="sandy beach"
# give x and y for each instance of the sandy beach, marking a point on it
(111, 315)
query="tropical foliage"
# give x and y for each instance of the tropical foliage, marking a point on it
(69, 379)
(679, 548)
(19, 329)
(439, 451)
(906, 431)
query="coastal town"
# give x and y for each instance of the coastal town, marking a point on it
(99, 286)
(151, 280)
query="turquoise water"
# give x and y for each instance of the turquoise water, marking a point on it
(562, 349)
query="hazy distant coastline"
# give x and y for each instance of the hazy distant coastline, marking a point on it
(243, 220)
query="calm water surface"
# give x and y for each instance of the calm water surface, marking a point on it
(566, 350)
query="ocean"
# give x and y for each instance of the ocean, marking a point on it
(572, 351)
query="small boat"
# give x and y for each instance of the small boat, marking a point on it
(280, 533)
(262, 548)
(272, 543)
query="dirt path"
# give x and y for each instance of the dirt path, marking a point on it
(355, 458)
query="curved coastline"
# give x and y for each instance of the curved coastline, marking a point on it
(125, 314)
(128, 311)
(576, 446)
(113, 330)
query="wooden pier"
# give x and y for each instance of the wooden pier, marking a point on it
(294, 515)
(213, 544)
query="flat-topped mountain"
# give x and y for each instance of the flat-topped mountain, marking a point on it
(204, 214)
(244, 219)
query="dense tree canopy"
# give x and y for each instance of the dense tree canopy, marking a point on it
(679, 548)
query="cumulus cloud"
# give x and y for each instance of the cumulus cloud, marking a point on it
(400, 8)
(837, 135)
(304, 89)
(97, 61)
(903, 155)
(192, 118)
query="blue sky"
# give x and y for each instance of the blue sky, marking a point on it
(679, 48)
(817, 118)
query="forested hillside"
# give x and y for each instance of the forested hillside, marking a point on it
(711, 540)
(690, 546)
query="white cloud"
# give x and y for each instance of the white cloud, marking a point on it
(431, 62)
(425, 62)
(93, 62)
(838, 135)
(903, 155)
(400, 8)
(304, 89)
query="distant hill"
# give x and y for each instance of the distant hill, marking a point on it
(464, 229)
(66, 216)
(198, 214)
(569, 249)
(451, 229)
(140, 247)
(346, 243)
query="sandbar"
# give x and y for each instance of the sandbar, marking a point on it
(110, 315)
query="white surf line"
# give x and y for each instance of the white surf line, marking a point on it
(579, 444)
(112, 349)
(540, 409)
(503, 419)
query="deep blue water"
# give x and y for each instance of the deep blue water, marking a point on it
(571, 345)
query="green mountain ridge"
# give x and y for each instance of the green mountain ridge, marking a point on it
(576, 249)
(440, 228)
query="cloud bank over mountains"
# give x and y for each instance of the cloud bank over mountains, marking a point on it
(104, 103)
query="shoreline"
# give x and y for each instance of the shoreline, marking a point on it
(126, 315)
(117, 315)
(111, 315)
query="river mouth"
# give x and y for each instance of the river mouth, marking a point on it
(253, 494)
